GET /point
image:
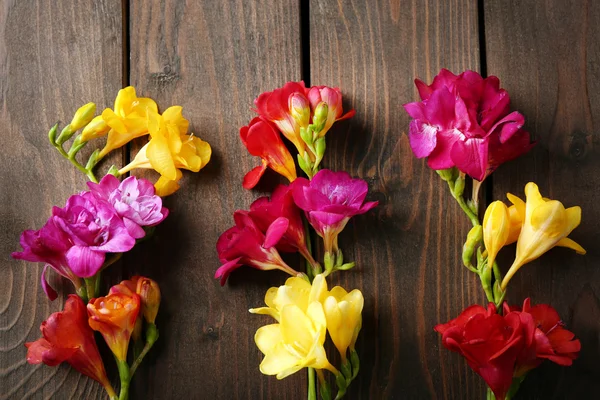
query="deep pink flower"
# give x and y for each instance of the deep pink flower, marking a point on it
(333, 98)
(465, 121)
(95, 229)
(48, 245)
(134, 200)
(246, 244)
(329, 200)
(264, 212)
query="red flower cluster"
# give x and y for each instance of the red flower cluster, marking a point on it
(502, 347)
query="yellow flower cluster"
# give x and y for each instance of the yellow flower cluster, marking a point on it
(305, 313)
(537, 225)
(170, 148)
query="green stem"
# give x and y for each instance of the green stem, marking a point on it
(81, 292)
(73, 161)
(90, 285)
(461, 202)
(151, 337)
(312, 387)
(125, 377)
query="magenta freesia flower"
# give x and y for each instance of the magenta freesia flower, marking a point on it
(94, 229)
(464, 121)
(264, 212)
(134, 200)
(48, 245)
(329, 200)
(246, 244)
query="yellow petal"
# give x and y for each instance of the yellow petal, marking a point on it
(95, 129)
(125, 97)
(160, 157)
(280, 362)
(296, 328)
(267, 337)
(165, 187)
(573, 217)
(318, 290)
(173, 116)
(571, 244)
(83, 116)
(316, 314)
(338, 292)
(203, 150)
(114, 121)
(142, 105)
(496, 228)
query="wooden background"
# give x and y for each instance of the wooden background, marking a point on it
(214, 58)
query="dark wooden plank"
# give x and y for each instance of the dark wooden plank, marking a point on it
(213, 58)
(54, 57)
(547, 56)
(408, 251)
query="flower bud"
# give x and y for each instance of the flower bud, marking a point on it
(449, 174)
(320, 118)
(473, 237)
(300, 109)
(320, 146)
(496, 228)
(83, 116)
(95, 129)
(149, 292)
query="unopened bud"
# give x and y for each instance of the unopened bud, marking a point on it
(459, 186)
(83, 116)
(329, 261)
(473, 238)
(306, 135)
(320, 117)
(52, 134)
(300, 109)
(320, 146)
(96, 128)
(448, 175)
(149, 292)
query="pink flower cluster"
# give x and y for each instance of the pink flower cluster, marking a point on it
(329, 200)
(464, 121)
(107, 219)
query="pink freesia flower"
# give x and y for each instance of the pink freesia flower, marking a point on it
(465, 121)
(333, 98)
(134, 200)
(246, 244)
(329, 200)
(264, 212)
(48, 245)
(95, 229)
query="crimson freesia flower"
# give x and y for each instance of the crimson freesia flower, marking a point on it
(264, 212)
(134, 200)
(332, 97)
(246, 244)
(489, 342)
(465, 121)
(262, 140)
(550, 341)
(278, 107)
(48, 245)
(329, 200)
(95, 229)
(68, 337)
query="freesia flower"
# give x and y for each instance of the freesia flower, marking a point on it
(67, 337)
(114, 316)
(127, 121)
(329, 200)
(170, 149)
(546, 224)
(550, 340)
(94, 229)
(294, 343)
(149, 293)
(264, 212)
(496, 229)
(343, 314)
(49, 245)
(490, 343)
(262, 140)
(329, 99)
(297, 291)
(134, 201)
(246, 244)
(279, 107)
(95, 129)
(465, 121)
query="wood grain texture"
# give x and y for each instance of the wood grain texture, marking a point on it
(547, 56)
(408, 250)
(54, 57)
(213, 58)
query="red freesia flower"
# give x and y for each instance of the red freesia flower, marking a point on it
(489, 342)
(68, 337)
(332, 97)
(550, 340)
(465, 121)
(262, 140)
(246, 244)
(264, 212)
(278, 107)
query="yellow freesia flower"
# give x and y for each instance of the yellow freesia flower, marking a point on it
(343, 314)
(170, 149)
(516, 214)
(294, 343)
(128, 120)
(546, 224)
(296, 291)
(95, 129)
(496, 228)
